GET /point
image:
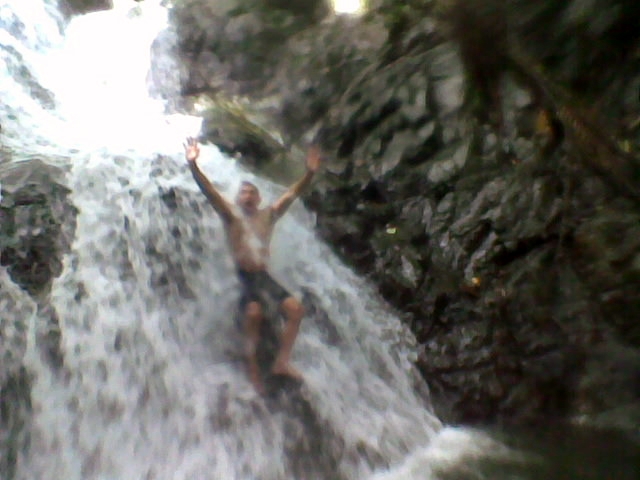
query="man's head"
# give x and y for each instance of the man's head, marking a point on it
(248, 198)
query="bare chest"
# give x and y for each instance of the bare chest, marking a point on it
(256, 227)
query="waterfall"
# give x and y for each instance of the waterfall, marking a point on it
(151, 385)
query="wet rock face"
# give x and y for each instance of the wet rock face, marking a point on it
(236, 44)
(489, 256)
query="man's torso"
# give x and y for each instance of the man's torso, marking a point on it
(249, 238)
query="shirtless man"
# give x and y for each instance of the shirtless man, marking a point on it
(249, 230)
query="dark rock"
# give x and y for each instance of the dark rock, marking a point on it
(246, 38)
(79, 7)
(38, 223)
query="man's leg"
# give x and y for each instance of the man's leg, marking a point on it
(252, 322)
(293, 312)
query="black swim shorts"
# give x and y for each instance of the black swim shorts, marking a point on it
(262, 288)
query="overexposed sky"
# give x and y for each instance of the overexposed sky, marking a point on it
(347, 6)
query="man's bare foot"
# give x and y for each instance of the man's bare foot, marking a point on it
(281, 368)
(259, 387)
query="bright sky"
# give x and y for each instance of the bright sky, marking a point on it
(347, 6)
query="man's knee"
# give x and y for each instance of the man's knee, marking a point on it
(293, 307)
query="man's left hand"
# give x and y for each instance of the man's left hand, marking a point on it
(314, 158)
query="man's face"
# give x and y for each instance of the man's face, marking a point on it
(248, 198)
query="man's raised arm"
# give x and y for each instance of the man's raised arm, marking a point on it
(284, 202)
(192, 151)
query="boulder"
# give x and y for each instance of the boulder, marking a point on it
(37, 223)
(80, 7)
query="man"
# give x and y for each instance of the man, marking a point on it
(249, 230)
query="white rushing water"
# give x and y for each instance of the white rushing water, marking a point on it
(151, 387)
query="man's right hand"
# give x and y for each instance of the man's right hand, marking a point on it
(191, 149)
